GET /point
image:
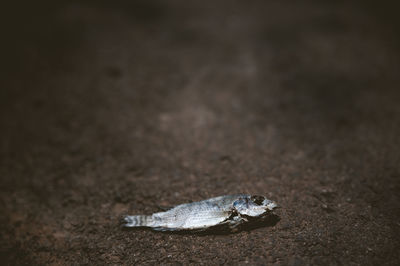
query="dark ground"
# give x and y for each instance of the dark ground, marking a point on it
(109, 109)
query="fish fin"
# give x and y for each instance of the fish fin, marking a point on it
(164, 208)
(138, 220)
(236, 222)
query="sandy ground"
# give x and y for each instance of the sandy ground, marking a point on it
(124, 107)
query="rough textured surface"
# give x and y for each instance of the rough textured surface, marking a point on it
(108, 109)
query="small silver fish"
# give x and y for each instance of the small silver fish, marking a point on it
(231, 210)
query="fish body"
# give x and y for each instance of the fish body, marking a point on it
(230, 209)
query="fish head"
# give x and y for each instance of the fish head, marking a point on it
(254, 205)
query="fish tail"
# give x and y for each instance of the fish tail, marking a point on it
(138, 220)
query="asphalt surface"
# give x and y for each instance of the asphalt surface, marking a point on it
(121, 108)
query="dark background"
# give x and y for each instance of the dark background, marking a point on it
(116, 107)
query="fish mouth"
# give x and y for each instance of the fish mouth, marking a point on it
(271, 206)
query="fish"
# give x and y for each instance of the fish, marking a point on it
(229, 210)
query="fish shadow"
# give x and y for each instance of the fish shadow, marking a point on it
(252, 224)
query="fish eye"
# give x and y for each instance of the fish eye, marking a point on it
(257, 199)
